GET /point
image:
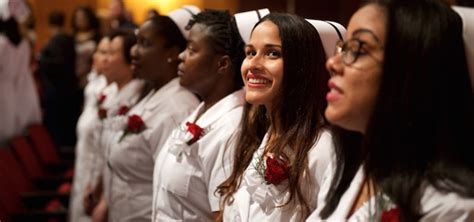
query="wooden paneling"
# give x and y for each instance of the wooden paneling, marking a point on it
(273, 5)
(231, 5)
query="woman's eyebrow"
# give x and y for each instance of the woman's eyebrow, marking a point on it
(363, 30)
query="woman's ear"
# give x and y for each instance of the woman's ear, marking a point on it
(173, 54)
(223, 64)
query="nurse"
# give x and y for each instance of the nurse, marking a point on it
(194, 160)
(131, 152)
(284, 145)
(401, 80)
(85, 132)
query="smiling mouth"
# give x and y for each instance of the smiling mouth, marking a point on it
(255, 81)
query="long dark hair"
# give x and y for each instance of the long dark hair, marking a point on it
(93, 21)
(420, 132)
(301, 119)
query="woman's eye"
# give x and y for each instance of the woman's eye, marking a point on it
(274, 54)
(250, 53)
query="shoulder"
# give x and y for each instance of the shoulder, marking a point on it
(178, 96)
(323, 148)
(441, 206)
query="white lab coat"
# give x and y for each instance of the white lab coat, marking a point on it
(86, 125)
(186, 176)
(130, 161)
(435, 206)
(257, 201)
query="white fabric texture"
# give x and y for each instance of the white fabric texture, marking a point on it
(186, 176)
(329, 32)
(85, 130)
(245, 22)
(19, 101)
(257, 201)
(130, 160)
(435, 206)
(467, 15)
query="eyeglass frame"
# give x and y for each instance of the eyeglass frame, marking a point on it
(341, 45)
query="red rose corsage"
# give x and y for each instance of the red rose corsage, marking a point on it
(195, 131)
(276, 171)
(135, 125)
(123, 110)
(102, 113)
(392, 215)
(101, 99)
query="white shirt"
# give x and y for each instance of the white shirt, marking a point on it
(96, 83)
(86, 126)
(19, 101)
(131, 160)
(435, 206)
(186, 176)
(257, 201)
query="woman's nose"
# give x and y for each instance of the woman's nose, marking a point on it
(181, 55)
(134, 51)
(254, 63)
(334, 64)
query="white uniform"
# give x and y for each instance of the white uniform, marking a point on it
(186, 176)
(130, 161)
(19, 102)
(435, 206)
(86, 125)
(96, 83)
(257, 201)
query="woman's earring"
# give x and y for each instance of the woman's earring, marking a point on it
(169, 60)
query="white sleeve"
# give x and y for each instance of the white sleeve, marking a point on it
(437, 206)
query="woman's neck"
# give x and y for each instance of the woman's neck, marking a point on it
(123, 82)
(215, 95)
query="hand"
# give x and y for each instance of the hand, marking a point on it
(99, 213)
(89, 200)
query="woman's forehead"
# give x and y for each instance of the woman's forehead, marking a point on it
(369, 20)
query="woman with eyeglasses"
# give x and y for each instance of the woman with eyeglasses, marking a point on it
(401, 81)
(284, 145)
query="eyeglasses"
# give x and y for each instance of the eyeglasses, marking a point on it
(352, 49)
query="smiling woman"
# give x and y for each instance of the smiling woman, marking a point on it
(285, 145)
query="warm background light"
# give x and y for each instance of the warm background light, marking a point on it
(138, 9)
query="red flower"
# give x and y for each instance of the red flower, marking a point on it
(123, 110)
(101, 99)
(195, 130)
(276, 171)
(392, 215)
(102, 113)
(135, 125)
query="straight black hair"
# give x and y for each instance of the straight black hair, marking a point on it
(420, 132)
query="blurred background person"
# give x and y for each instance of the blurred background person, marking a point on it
(120, 18)
(86, 128)
(86, 33)
(61, 101)
(19, 102)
